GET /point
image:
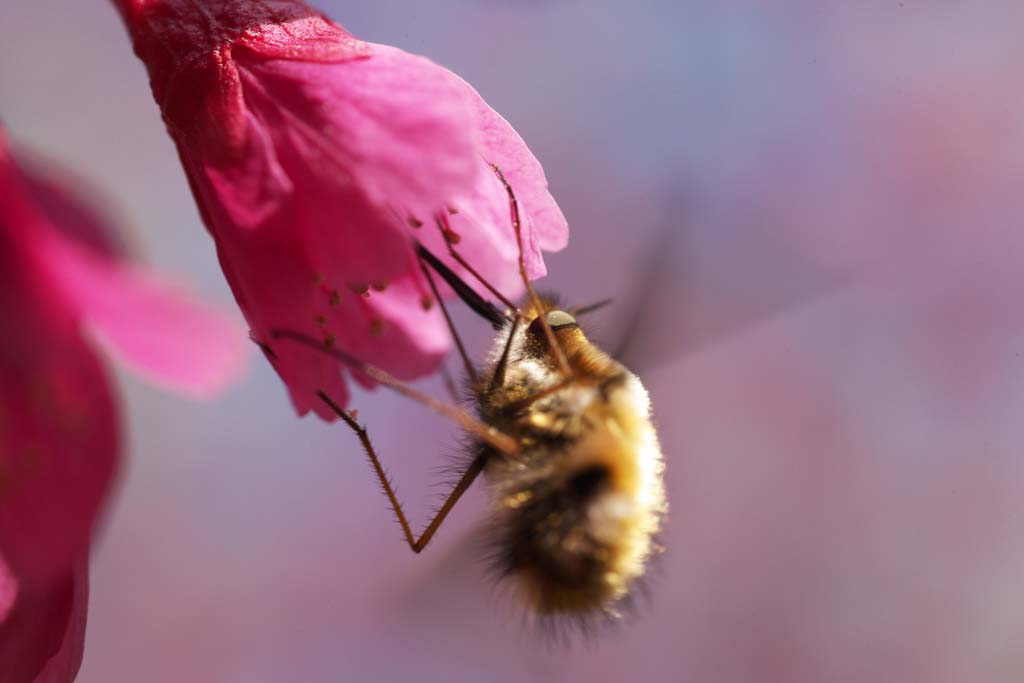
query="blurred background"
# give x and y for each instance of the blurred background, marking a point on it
(809, 216)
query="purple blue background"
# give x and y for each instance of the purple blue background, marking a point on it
(821, 204)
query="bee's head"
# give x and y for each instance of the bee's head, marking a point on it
(563, 325)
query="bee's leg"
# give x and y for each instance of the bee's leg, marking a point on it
(486, 433)
(467, 478)
(544, 393)
(450, 240)
(498, 378)
(474, 301)
(470, 370)
(560, 357)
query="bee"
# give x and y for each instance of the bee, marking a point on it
(576, 513)
(562, 433)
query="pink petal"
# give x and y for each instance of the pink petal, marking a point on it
(396, 124)
(503, 146)
(42, 641)
(546, 227)
(155, 327)
(277, 290)
(63, 665)
(281, 29)
(254, 187)
(184, 43)
(45, 183)
(397, 333)
(58, 452)
(361, 145)
(390, 328)
(485, 240)
(484, 223)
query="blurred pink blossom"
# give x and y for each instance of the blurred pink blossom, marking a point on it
(317, 159)
(62, 285)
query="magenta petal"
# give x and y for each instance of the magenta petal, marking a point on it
(398, 333)
(63, 665)
(502, 145)
(277, 290)
(42, 640)
(252, 186)
(58, 452)
(395, 124)
(45, 183)
(483, 220)
(486, 239)
(389, 328)
(280, 188)
(155, 327)
(187, 48)
(365, 145)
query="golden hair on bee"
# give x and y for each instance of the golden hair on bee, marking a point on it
(577, 511)
(564, 437)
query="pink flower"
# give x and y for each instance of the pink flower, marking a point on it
(316, 160)
(64, 289)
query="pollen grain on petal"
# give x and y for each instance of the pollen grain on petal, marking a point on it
(445, 226)
(451, 236)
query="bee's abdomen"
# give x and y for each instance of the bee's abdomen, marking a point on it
(578, 508)
(551, 546)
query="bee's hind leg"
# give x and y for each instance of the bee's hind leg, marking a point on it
(467, 478)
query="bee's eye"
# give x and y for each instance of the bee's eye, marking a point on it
(557, 320)
(560, 319)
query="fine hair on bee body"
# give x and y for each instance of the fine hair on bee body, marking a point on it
(564, 437)
(575, 516)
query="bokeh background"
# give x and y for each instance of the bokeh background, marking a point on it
(809, 214)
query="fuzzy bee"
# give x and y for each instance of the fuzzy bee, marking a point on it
(577, 510)
(564, 437)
